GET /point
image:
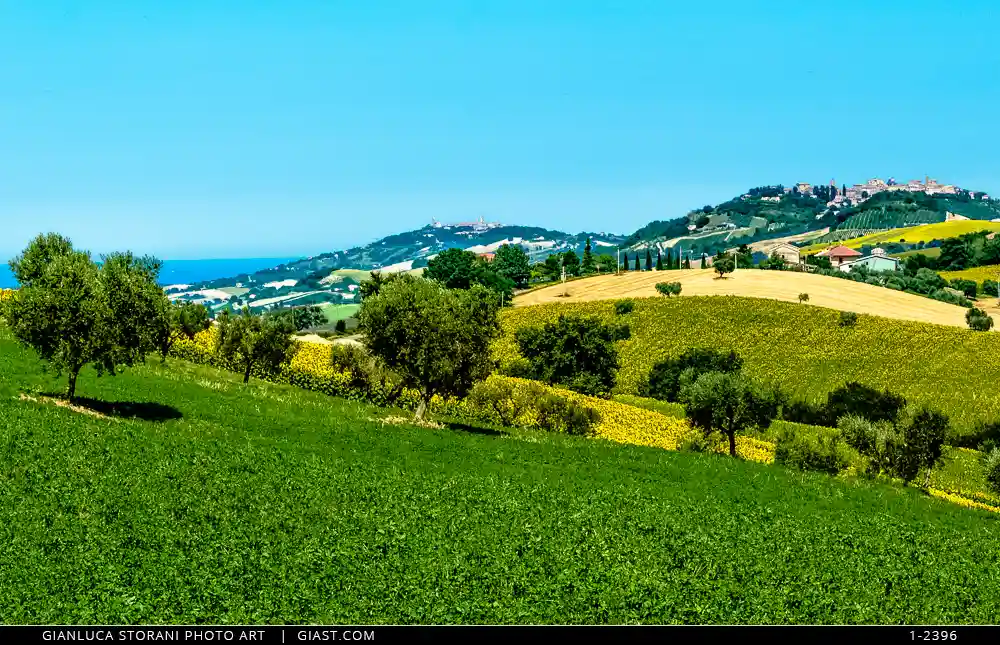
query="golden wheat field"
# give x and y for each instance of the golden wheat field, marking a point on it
(824, 291)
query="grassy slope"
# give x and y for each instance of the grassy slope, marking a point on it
(923, 233)
(931, 252)
(266, 504)
(803, 348)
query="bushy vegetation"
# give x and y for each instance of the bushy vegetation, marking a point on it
(824, 451)
(904, 446)
(436, 339)
(576, 352)
(801, 348)
(665, 378)
(668, 288)
(978, 320)
(73, 311)
(623, 307)
(848, 319)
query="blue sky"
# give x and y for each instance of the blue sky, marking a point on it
(252, 129)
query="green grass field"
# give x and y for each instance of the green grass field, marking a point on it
(200, 500)
(800, 347)
(334, 312)
(931, 252)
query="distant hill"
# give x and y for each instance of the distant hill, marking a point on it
(334, 276)
(771, 212)
(761, 213)
(894, 210)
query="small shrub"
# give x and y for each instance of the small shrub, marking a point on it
(505, 399)
(669, 288)
(978, 320)
(803, 297)
(623, 307)
(823, 452)
(517, 368)
(340, 327)
(848, 319)
(621, 332)
(968, 287)
(560, 414)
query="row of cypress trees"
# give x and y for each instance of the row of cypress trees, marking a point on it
(668, 262)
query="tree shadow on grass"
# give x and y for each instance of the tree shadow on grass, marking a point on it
(140, 410)
(474, 429)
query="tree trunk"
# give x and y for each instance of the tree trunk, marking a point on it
(246, 373)
(421, 409)
(732, 443)
(71, 388)
(927, 479)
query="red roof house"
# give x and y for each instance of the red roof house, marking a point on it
(488, 256)
(839, 254)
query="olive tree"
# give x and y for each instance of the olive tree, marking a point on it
(727, 402)
(73, 311)
(723, 266)
(437, 339)
(252, 340)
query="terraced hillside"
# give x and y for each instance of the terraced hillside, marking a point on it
(824, 291)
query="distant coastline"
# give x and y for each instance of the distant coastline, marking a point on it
(188, 271)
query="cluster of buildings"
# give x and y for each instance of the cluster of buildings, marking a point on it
(860, 192)
(840, 257)
(477, 227)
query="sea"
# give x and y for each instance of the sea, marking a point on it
(187, 271)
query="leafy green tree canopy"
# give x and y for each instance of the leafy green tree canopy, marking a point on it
(575, 351)
(727, 402)
(436, 339)
(664, 381)
(723, 266)
(74, 312)
(512, 262)
(253, 340)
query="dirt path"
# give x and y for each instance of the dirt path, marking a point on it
(824, 291)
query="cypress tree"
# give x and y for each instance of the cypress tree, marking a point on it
(702, 261)
(637, 266)
(670, 259)
(687, 262)
(659, 261)
(649, 260)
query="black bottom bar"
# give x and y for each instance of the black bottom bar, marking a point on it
(516, 635)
